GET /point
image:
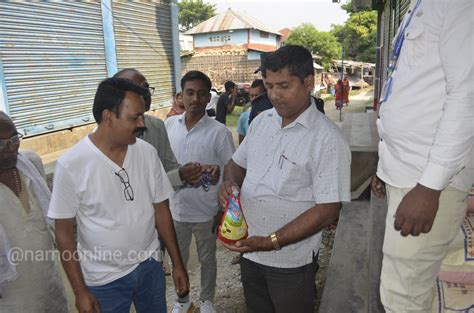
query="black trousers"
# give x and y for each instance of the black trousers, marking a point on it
(279, 290)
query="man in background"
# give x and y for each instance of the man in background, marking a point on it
(211, 106)
(256, 89)
(226, 102)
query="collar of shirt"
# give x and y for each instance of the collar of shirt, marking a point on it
(305, 119)
(204, 119)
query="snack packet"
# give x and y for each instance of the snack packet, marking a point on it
(233, 225)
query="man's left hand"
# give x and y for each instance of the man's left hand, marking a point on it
(254, 243)
(417, 211)
(181, 281)
(190, 173)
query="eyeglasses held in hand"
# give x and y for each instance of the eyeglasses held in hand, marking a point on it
(128, 191)
(13, 141)
(206, 181)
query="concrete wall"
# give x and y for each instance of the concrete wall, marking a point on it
(254, 55)
(258, 37)
(221, 68)
(217, 39)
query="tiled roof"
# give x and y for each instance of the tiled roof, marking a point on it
(285, 32)
(230, 20)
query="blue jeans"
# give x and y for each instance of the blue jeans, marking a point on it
(145, 287)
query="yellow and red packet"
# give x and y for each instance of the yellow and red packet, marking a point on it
(233, 224)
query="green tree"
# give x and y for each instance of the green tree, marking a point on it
(193, 12)
(323, 44)
(358, 36)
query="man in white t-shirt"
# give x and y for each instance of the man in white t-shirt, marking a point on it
(115, 186)
(195, 137)
(293, 170)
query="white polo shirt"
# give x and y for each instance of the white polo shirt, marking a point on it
(290, 170)
(208, 142)
(114, 235)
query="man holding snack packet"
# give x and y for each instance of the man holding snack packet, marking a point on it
(292, 171)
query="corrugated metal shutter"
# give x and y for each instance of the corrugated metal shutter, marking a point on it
(386, 38)
(143, 41)
(394, 11)
(53, 57)
(404, 5)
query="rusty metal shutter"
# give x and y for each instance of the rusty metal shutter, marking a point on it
(143, 39)
(53, 58)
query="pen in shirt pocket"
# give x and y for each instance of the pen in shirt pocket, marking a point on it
(284, 158)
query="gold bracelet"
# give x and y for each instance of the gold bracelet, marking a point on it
(275, 242)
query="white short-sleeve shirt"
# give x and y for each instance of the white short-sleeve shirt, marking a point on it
(290, 170)
(114, 234)
(208, 142)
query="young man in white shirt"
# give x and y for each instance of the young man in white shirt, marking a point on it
(293, 170)
(195, 137)
(115, 187)
(426, 128)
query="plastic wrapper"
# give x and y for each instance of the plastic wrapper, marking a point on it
(233, 226)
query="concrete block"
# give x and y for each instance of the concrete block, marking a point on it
(353, 276)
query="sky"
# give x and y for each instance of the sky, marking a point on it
(286, 13)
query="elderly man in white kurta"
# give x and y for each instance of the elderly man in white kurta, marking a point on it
(31, 284)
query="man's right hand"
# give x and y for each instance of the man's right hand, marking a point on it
(225, 191)
(190, 173)
(86, 302)
(181, 281)
(377, 186)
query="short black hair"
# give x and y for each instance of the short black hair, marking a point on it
(297, 58)
(258, 83)
(196, 75)
(110, 94)
(228, 85)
